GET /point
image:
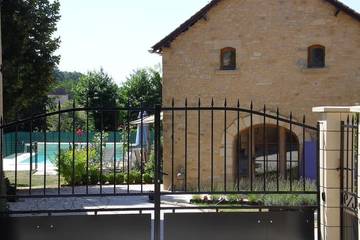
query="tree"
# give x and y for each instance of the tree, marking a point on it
(66, 81)
(97, 89)
(28, 54)
(143, 87)
(66, 120)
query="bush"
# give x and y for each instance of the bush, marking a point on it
(148, 179)
(65, 163)
(104, 178)
(215, 197)
(94, 176)
(3, 205)
(111, 178)
(150, 165)
(134, 177)
(120, 177)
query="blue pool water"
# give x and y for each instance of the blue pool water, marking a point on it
(52, 150)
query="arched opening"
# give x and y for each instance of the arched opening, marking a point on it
(228, 58)
(271, 149)
(316, 56)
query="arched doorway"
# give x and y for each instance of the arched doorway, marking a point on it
(269, 149)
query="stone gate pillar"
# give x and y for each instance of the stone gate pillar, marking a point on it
(330, 152)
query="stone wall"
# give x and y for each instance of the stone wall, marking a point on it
(272, 40)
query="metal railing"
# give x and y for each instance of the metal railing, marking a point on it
(349, 177)
(269, 169)
(196, 150)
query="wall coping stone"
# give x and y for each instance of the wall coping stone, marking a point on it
(336, 109)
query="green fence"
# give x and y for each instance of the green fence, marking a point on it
(23, 138)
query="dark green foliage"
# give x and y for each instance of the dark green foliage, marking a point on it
(10, 190)
(150, 165)
(63, 76)
(148, 179)
(105, 178)
(97, 89)
(29, 45)
(66, 81)
(94, 176)
(67, 161)
(66, 120)
(144, 86)
(134, 177)
(120, 178)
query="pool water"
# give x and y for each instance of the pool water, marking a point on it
(52, 150)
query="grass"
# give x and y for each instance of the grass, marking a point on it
(37, 181)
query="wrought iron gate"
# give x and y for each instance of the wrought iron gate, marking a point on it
(349, 179)
(238, 165)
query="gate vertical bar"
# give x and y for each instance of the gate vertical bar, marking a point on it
(1, 154)
(59, 147)
(212, 145)
(31, 153)
(318, 182)
(342, 144)
(225, 143)
(238, 146)
(87, 145)
(303, 154)
(16, 153)
(73, 151)
(199, 146)
(157, 204)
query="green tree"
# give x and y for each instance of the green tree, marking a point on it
(97, 89)
(66, 80)
(66, 120)
(29, 45)
(142, 87)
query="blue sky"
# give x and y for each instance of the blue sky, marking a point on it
(117, 34)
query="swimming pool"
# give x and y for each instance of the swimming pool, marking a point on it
(52, 150)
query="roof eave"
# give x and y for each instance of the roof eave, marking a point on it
(166, 42)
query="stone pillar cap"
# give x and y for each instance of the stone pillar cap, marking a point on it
(336, 109)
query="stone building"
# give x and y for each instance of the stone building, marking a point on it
(287, 54)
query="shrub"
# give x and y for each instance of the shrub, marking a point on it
(196, 199)
(215, 197)
(120, 177)
(104, 178)
(233, 198)
(148, 179)
(150, 165)
(134, 177)
(3, 205)
(111, 178)
(94, 176)
(65, 163)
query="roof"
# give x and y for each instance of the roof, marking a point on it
(165, 42)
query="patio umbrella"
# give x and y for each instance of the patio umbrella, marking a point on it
(142, 132)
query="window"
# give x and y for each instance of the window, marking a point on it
(316, 56)
(228, 59)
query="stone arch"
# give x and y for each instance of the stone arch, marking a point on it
(257, 120)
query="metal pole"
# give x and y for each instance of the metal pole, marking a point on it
(1, 67)
(342, 145)
(157, 204)
(319, 227)
(2, 183)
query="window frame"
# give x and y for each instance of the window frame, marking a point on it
(223, 51)
(310, 63)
